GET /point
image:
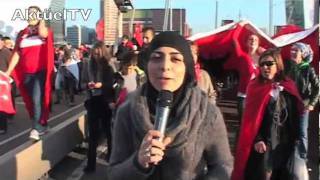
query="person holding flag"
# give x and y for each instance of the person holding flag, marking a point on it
(31, 66)
(270, 124)
(6, 107)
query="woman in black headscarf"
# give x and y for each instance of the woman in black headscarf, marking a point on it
(195, 136)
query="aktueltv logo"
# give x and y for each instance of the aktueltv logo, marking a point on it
(48, 14)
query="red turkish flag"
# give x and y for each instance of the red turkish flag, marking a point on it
(138, 34)
(291, 34)
(100, 30)
(229, 42)
(5, 94)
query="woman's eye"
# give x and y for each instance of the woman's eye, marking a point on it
(176, 59)
(155, 56)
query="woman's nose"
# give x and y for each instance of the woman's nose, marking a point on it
(166, 63)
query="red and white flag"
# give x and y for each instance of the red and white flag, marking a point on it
(100, 30)
(219, 43)
(6, 105)
(291, 34)
(138, 33)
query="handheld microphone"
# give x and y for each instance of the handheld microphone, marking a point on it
(163, 106)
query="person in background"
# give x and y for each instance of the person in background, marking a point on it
(148, 34)
(58, 61)
(203, 79)
(249, 55)
(32, 67)
(128, 79)
(195, 144)
(307, 81)
(69, 73)
(269, 129)
(124, 47)
(8, 43)
(5, 55)
(98, 79)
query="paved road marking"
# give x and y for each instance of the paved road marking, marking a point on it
(28, 130)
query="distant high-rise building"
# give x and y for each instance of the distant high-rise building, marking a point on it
(111, 15)
(87, 35)
(294, 12)
(155, 19)
(58, 27)
(74, 35)
(226, 21)
(101, 8)
(303, 13)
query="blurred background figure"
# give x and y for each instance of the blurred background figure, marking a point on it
(147, 35)
(299, 70)
(204, 81)
(270, 124)
(98, 79)
(124, 47)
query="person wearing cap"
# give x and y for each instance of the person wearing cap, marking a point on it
(195, 143)
(307, 81)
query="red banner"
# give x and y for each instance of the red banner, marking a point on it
(5, 95)
(100, 30)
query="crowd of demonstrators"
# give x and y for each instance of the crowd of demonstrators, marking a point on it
(299, 69)
(273, 126)
(196, 135)
(31, 66)
(270, 125)
(98, 79)
(204, 81)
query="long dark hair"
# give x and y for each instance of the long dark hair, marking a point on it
(104, 54)
(66, 55)
(275, 53)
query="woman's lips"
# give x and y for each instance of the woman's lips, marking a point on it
(164, 80)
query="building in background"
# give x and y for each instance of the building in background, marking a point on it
(110, 16)
(226, 21)
(87, 35)
(74, 35)
(58, 27)
(155, 19)
(303, 13)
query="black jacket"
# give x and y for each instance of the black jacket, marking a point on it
(306, 80)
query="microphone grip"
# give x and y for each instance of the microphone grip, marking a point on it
(162, 114)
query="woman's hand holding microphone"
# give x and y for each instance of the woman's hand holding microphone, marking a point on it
(152, 150)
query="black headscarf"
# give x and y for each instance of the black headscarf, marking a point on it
(173, 40)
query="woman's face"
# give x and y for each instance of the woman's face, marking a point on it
(253, 41)
(296, 54)
(268, 67)
(166, 69)
(96, 54)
